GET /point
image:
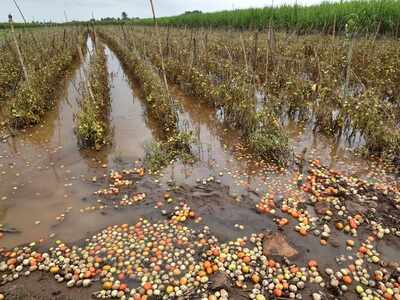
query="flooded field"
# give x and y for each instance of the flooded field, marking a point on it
(45, 165)
(226, 225)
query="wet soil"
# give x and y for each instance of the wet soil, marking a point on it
(217, 208)
(42, 286)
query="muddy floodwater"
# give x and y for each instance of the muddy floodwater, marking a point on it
(130, 129)
(218, 149)
(48, 184)
(44, 174)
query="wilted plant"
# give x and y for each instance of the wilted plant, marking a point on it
(46, 67)
(160, 106)
(10, 72)
(160, 154)
(222, 85)
(91, 127)
(309, 79)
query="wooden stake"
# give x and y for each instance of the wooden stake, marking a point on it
(348, 71)
(125, 35)
(194, 50)
(159, 46)
(271, 38)
(30, 31)
(334, 29)
(318, 65)
(255, 52)
(21, 59)
(244, 52)
(376, 32)
(84, 72)
(267, 64)
(167, 42)
(64, 36)
(206, 46)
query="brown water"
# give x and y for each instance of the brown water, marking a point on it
(221, 155)
(130, 128)
(43, 174)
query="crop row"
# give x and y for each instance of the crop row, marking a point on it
(10, 72)
(233, 94)
(160, 104)
(161, 107)
(91, 128)
(340, 86)
(46, 56)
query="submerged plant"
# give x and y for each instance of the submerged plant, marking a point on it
(161, 107)
(309, 79)
(267, 138)
(160, 154)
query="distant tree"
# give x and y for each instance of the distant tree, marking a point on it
(190, 12)
(124, 16)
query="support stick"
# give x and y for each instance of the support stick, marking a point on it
(159, 46)
(21, 59)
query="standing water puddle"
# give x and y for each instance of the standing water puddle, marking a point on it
(45, 176)
(129, 128)
(219, 153)
(43, 173)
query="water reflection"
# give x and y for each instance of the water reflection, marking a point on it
(42, 170)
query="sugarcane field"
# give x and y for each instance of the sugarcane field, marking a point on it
(209, 150)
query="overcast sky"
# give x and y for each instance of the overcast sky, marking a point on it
(55, 10)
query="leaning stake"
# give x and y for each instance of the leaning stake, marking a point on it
(21, 60)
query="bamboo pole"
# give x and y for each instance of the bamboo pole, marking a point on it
(167, 42)
(21, 59)
(348, 69)
(376, 33)
(159, 46)
(267, 64)
(244, 52)
(194, 51)
(255, 51)
(30, 32)
(334, 29)
(85, 78)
